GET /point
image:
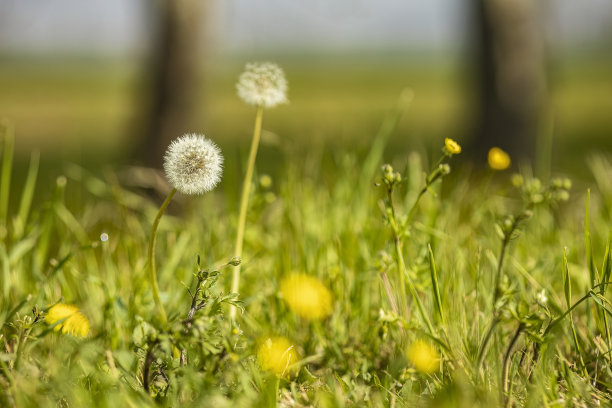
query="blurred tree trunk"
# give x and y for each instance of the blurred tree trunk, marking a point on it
(512, 85)
(174, 70)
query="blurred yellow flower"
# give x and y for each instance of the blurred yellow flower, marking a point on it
(276, 355)
(424, 357)
(451, 146)
(306, 296)
(72, 320)
(498, 159)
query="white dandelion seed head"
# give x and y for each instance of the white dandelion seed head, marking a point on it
(262, 83)
(193, 164)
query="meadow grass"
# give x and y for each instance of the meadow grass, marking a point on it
(461, 289)
(67, 105)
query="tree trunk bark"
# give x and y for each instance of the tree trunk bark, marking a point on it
(174, 76)
(511, 82)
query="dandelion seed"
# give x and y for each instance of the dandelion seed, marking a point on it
(306, 296)
(423, 357)
(262, 84)
(451, 147)
(104, 237)
(72, 320)
(193, 164)
(276, 355)
(498, 159)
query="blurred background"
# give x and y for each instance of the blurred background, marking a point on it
(112, 81)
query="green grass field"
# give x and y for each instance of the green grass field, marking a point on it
(465, 289)
(71, 106)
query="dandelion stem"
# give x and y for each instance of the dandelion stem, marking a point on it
(151, 258)
(276, 387)
(244, 203)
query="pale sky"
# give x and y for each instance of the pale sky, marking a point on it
(123, 26)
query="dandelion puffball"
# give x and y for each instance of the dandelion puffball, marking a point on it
(193, 164)
(72, 321)
(262, 84)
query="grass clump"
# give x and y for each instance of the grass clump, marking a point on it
(365, 286)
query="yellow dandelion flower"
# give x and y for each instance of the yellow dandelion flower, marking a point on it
(306, 296)
(498, 159)
(451, 146)
(72, 320)
(276, 355)
(424, 357)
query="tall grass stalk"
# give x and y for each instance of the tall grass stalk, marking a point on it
(567, 286)
(244, 203)
(5, 179)
(27, 195)
(506, 365)
(405, 280)
(606, 271)
(435, 286)
(508, 235)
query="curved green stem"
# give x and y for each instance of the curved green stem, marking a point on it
(401, 265)
(506, 365)
(433, 176)
(483, 346)
(560, 318)
(568, 311)
(498, 274)
(244, 203)
(151, 259)
(404, 273)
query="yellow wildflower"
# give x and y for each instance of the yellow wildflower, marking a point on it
(424, 357)
(72, 320)
(451, 146)
(276, 355)
(306, 296)
(498, 159)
